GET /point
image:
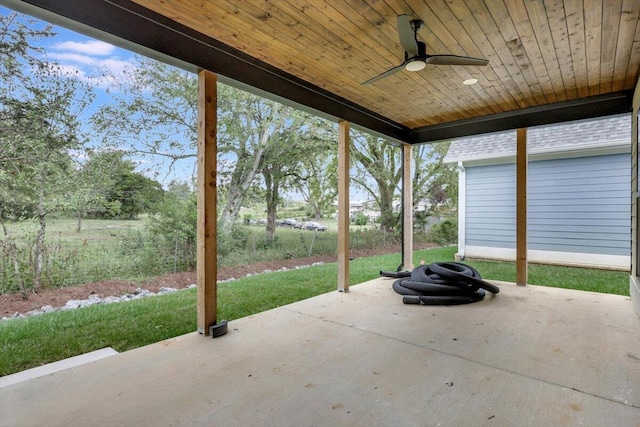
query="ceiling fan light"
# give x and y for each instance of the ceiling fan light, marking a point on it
(415, 65)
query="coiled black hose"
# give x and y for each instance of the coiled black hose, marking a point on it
(441, 283)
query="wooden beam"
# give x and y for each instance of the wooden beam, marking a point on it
(407, 208)
(207, 269)
(343, 206)
(521, 207)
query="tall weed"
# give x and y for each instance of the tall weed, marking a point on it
(123, 250)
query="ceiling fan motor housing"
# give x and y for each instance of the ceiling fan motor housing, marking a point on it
(417, 24)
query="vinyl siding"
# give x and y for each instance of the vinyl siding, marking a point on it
(491, 206)
(574, 205)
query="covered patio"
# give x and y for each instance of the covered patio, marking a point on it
(527, 356)
(531, 356)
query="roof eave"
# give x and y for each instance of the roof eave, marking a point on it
(576, 109)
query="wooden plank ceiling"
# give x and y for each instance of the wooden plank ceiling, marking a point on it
(539, 52)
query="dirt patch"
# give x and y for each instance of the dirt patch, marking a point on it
(58, 297)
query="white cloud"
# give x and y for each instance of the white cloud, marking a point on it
(100, 80)
(112, 64)
(115, 66)
(79, 155)
(90, 47)
(73, 57)
(99, 72)
(69, 70)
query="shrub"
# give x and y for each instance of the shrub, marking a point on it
(176, 218)
(231, 238)
(361, 219)
(445, 232)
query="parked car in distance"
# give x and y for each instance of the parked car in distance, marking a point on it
(299, 225)
(289, 222)
(315, 226)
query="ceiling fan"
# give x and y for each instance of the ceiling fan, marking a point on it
(415, 52)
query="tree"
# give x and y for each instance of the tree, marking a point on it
(435, 183)
(39, 108)
(136, 193)
(17, 51)
(176, 217)
(18, 38)
(40, 133)
(248, 126)
(89, 187)
(127, 192)
(155, 114)
(179, 189)
(283, 165)
(320, 168)
(378, 172)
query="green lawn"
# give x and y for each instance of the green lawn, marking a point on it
(584, 279)
(33, 341)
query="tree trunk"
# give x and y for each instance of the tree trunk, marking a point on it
(240, 183)
(13, 254)
(271, 198)
(315, 207)
(39, 246)
(387, 217)
(235, 198)
(79, 224)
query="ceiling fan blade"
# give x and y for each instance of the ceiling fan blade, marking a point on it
(385, 74)
(454, 60)
(407, 36)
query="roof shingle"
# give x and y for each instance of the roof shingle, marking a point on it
(572, 136)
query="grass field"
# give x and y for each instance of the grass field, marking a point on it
(30, 342)
(63, 230)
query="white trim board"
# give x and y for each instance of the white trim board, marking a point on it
(634, 291)
(613, 262)
(462, 208)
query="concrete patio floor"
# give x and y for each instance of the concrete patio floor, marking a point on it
(528, 356)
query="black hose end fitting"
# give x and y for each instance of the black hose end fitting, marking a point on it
(218, 329)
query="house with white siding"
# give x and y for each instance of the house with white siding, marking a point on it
(578, 193)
